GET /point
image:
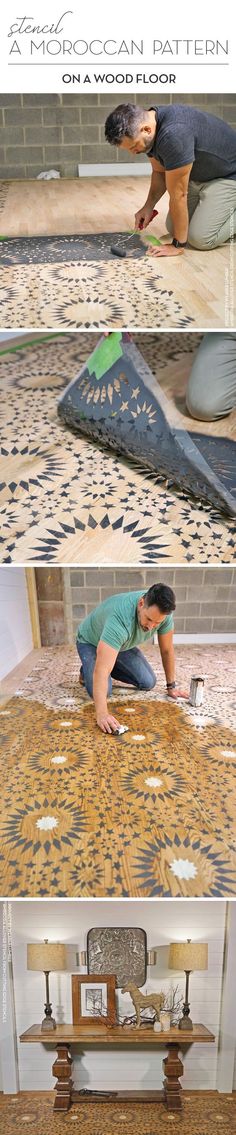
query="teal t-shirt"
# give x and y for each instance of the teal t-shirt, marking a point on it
(115, 622)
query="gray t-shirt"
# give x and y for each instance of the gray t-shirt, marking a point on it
(185, 134)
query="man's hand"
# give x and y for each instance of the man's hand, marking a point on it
(178, 694)
(107, 723)
(143, 217)
(165, 250)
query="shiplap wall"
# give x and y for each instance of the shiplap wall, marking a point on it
(163, 921)
(15, 627)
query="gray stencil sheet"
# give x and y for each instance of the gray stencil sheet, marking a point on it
(127, 410)
(119, 950)
(61, 249)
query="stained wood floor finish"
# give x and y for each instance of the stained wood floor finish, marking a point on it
(151, 813)
(203, 1112)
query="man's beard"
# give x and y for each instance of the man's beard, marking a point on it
(142, 625)
(146, 146)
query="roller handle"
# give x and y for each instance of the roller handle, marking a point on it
(154, 214)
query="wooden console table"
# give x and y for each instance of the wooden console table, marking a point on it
(92, 1036)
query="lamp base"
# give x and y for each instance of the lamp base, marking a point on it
(186, 1024)
(48, 1024)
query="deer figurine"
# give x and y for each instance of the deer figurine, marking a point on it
(144, 1000)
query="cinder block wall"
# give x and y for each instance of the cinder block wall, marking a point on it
(206, 597)
(40, 131)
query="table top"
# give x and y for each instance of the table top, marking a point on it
(118, 1034)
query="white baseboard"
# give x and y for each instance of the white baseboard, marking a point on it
(122, 169)
(198, 639)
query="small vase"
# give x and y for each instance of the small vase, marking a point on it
(165, 1022)
(157, 1026)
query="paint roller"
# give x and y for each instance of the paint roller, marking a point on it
(118, 249)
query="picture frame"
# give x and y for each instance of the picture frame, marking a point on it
(93, 999)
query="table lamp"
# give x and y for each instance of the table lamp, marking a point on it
(46, 956)
(187, 956)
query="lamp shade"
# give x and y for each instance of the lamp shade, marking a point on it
(46, 956)
(188, 955)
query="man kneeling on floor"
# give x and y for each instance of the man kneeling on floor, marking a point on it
(193, 157)
(107, 643)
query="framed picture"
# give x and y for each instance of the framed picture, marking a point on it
(93, 999)
(118, 949)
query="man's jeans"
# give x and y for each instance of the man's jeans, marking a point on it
(130, 667)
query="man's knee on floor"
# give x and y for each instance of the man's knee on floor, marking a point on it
(148, 681)
(203, 405)
(201, 243)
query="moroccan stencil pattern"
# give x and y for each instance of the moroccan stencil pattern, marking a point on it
(90, 294)
(149, 813)
(64, 499)
(48, 249)
(202, 1114)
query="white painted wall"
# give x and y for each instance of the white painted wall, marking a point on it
(8, 1029)
(163, 921)
(15, 626)
(227, 1047)
(234, 1079)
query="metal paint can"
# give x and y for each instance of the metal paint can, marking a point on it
(196, 691)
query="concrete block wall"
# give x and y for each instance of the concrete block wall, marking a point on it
(205, 596)
(41, 131)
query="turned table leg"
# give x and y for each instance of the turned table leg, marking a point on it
(62, 1068)
(173, 1068)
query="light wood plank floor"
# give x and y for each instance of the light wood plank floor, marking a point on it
(198, 280)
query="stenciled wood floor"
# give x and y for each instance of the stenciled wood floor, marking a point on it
(149, 814)
(65, 500)
(204, 1113)
(185, 292)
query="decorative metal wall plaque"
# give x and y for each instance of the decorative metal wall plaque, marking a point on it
(118, 949)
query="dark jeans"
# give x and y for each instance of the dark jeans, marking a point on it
(130, 667)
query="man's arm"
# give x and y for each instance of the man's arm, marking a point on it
(156, 191)
(168, 661)
(106, 657)
(176, 181)
(177, 185)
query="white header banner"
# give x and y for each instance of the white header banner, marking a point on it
(186, 48)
